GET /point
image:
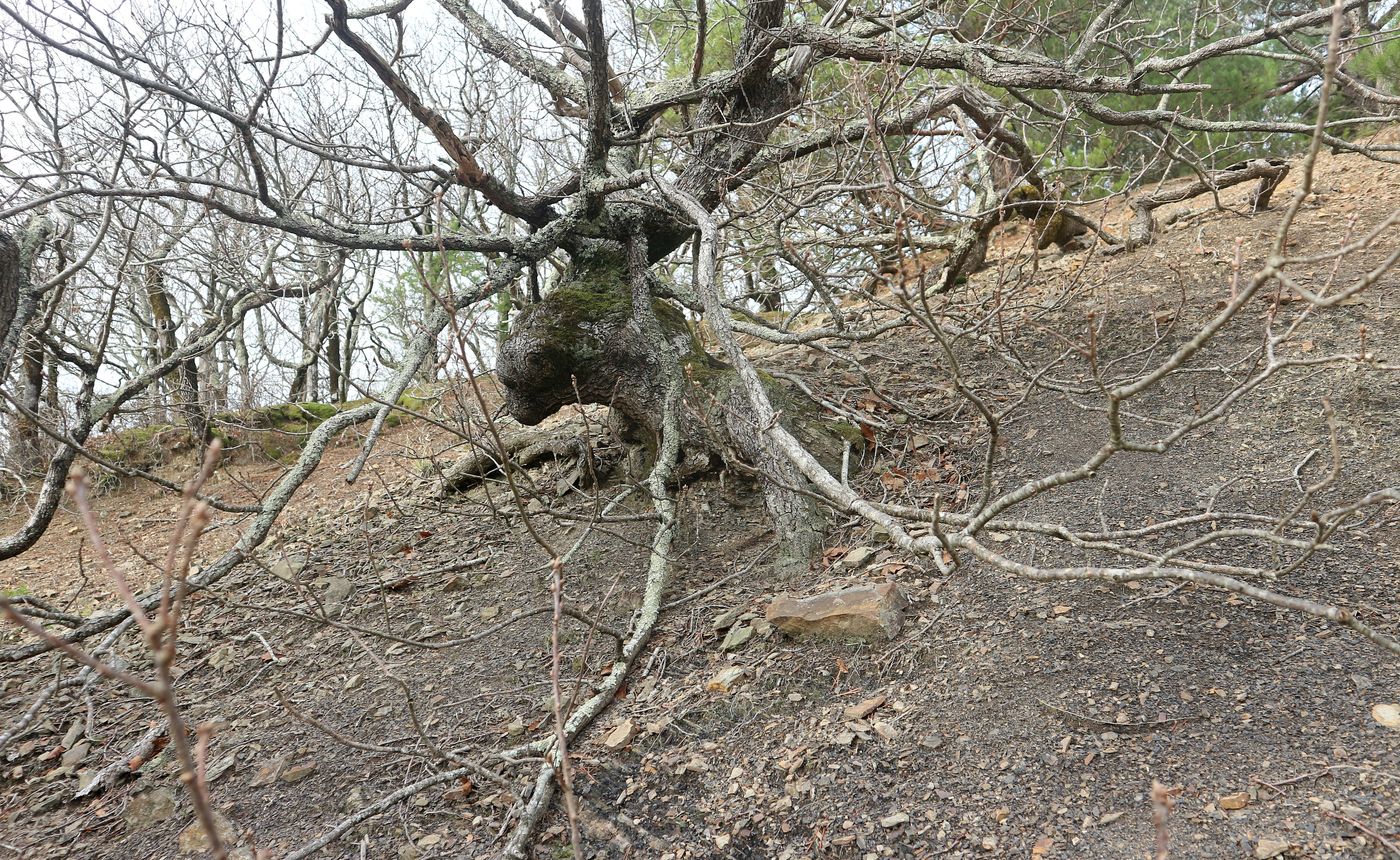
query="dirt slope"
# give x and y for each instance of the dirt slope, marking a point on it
(1017, 720)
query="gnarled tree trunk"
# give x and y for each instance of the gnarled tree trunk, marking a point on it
(584, 344)
(18, 304)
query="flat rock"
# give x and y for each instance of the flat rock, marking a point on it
(727, 618)
(288, 567)
(1387, 714)
(737, 636)
(297, 773)
(150, 808)
(863, 612)
(193, 840)
(861, 710)
(857, 558)
(338, 590)
(76, 754)
(1238, 800)
(621, 735)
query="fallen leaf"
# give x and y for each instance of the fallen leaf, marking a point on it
(459, 792)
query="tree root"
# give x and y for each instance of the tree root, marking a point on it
(112, 773)
(591, 463)
(1269, 171)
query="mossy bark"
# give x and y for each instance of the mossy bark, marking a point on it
(581, 344)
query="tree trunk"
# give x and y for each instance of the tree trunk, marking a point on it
(9, 282)
(297, 392)
(18, 336)
(184, 386)
(26, 453)
(246, 399)
(581, 344)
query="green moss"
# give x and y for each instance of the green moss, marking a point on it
(275, 432)
(708, 372)
(413, 400)
(595, 300)
(848, 432)
(572, 313)
(145, 447)
(322, 411)
(290, 417)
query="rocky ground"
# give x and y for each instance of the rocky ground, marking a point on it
(1006, 718)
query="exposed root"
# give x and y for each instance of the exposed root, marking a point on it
(1269, 171)
(592, 460)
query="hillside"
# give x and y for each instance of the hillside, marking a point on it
(1009, 718)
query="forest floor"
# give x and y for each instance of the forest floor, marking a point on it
(1010, 718)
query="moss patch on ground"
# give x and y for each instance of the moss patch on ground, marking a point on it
(273, 433)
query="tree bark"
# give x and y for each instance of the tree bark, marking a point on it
(184, 387)
(9, 282)
(18, 304)
(584, 344)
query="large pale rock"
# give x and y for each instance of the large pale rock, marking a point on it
(194, 840)
(150, 808)
(338, 591)
(864, 612)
